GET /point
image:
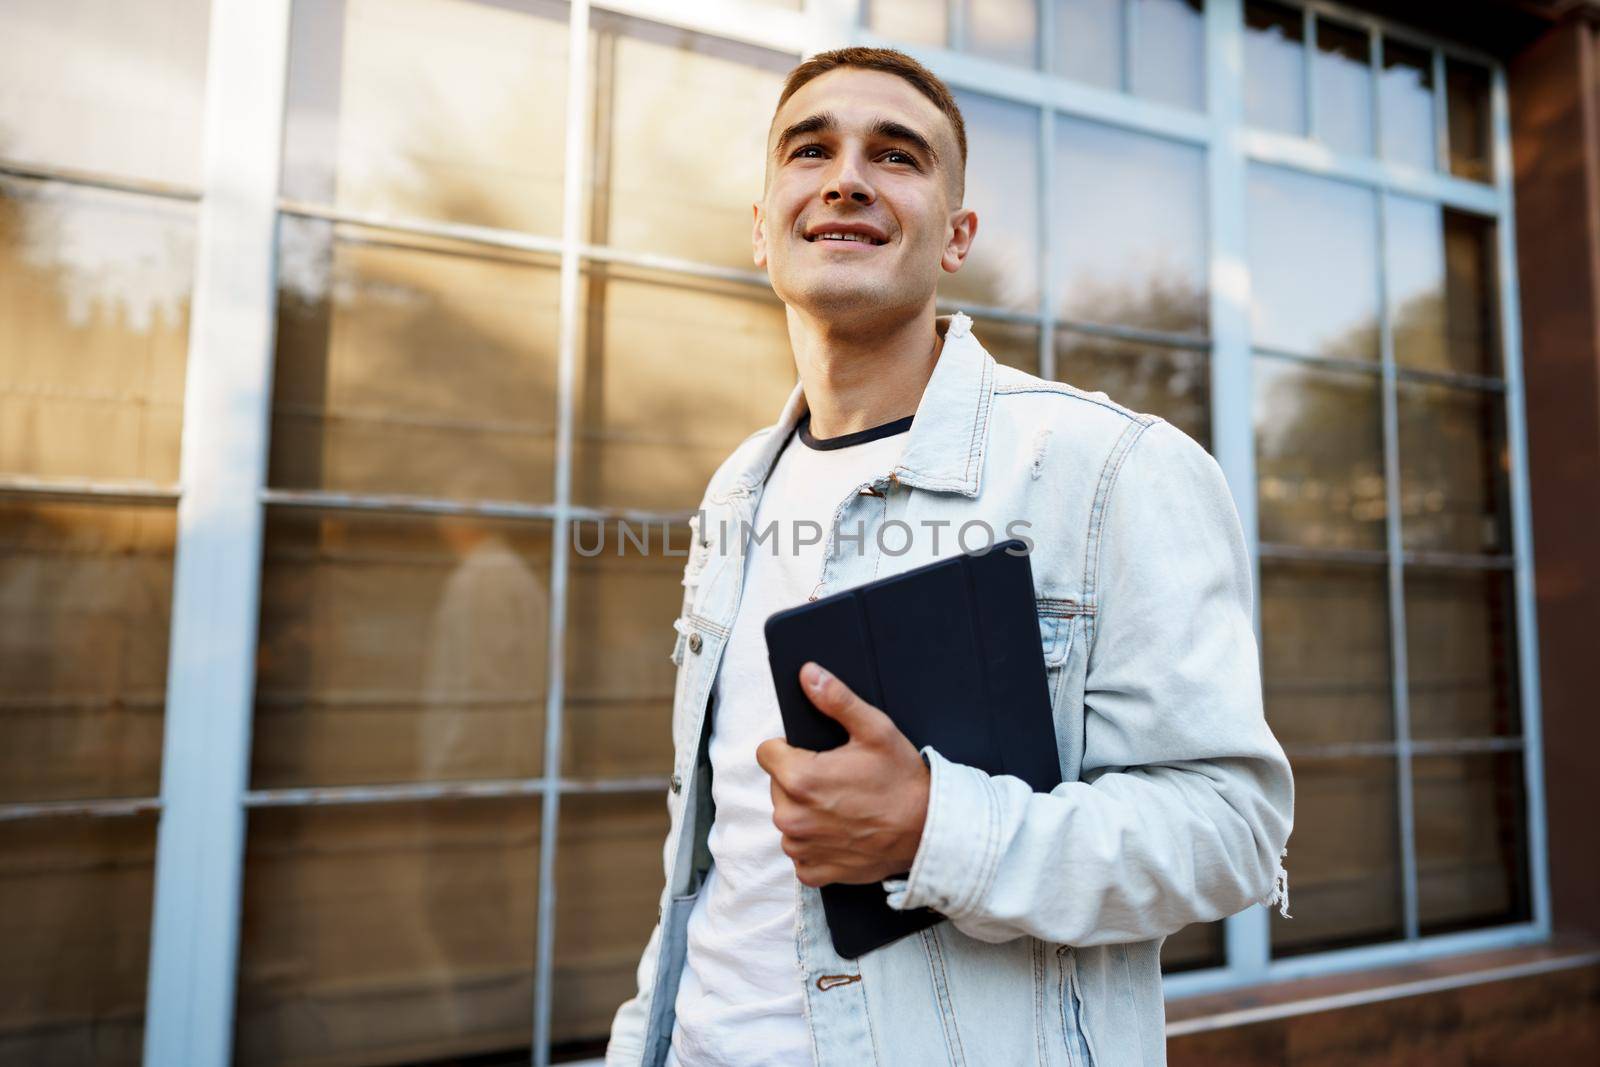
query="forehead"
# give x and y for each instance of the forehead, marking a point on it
(860, 97)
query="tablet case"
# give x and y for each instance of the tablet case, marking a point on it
(951, 652)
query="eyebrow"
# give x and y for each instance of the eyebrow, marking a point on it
(888, 129)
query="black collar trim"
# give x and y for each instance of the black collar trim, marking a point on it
(860, 437)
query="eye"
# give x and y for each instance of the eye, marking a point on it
(806, 148)
(903, 155)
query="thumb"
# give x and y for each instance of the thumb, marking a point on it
(839, 702)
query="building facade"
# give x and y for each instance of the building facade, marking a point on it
(335, 334)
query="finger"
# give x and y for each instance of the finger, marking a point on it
(839, 702)
(772, 753)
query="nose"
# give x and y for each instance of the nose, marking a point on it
(847, 179)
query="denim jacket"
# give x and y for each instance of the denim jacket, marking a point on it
(1175, 802)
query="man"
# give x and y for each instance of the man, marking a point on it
(902, 436)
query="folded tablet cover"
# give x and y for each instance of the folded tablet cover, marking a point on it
(951, 652)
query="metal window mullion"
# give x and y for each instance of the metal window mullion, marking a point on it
(1397, 606)
(955, 20)
(1521, 507)
(1047, 274)
(1247, 935)
(572, 232)
(1375, 78)
(1308, 31)
(1441, 116)
(216, 575)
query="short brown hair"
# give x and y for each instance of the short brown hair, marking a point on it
(888, 61)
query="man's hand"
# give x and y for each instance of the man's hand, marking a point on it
(854, 813)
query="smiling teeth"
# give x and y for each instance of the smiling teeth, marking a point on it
(863, 238)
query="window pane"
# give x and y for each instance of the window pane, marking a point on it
(1346, 857)
(1471, 841)
(609, 882)
(94, 331)
(1174, 383)
(1274, 67)
(1169, 51)
(400, 648)
(909, 21)
(1002, 269)
(75, 900)
(1129, 229)
(1467, 102)
(1003, 30)
(105, 86)
(1088, 45)
(1313, 265)
(414, 367)
(1405, 98)
(436, 109)
(659, 353)
(1461, 654)
(1343, 72)
(1195, 947)
(1013, 343)
(1455, 470)
(1319, 456)
(655, 186)
(85, 600)
(1443, 288)
(1325, 653)
(388, 933)
(621, 603)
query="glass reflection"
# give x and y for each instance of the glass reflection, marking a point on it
(1313, 265)
(1088, 44)
(1467, 104)
(1343, 73)
(1128, 229)
(1003, 30)
(909, 21)
(658, 353)
(1347, 857)
(400, 649)
(1002, 269)
(1471, 832)
(1443, 292)
(1015, 344)
(1461, 653)
(1169, 51)
(412, 366)
(105, 86)
(609, 881)
(653, 188)
(1274, 67)
(94, 324)
(1195, 947)
(1174, 383)
(75, 906)
(1405, 97)
(1325, 653)
(85, 603)
(374, 932)
(1319, 456)
(625, 581)
(437, 109)
(1455, 470)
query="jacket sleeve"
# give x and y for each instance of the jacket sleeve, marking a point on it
(1185, 801)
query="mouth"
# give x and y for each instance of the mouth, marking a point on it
(848, 238)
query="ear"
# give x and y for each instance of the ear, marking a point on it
(758, 236)
(963, 229)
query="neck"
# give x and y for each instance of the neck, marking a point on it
(856, 376)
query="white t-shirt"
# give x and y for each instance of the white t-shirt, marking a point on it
(739, 1001)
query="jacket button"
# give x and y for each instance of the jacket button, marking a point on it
(694, 641)
(677, 784)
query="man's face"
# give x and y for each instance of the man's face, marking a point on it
(864, 154)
